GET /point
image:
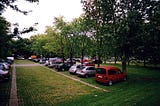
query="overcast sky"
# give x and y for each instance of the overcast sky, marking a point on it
(43, 13)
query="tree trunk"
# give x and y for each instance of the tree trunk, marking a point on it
(124, 66)
(124, 61)
(99, 60)
(71, 56)
(82, 56)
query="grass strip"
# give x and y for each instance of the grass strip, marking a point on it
(38, 86)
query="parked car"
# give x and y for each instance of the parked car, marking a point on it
(86, 71)
(4, 75)
(73, 69)
(63, 66)
(109, 75)
(36, 59)
(47, 63)
(89, 64)
(6, 65)
(54, 64)
(42, 61)
(2, 67)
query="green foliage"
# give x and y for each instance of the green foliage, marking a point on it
(129, 26)
(4, 39)
(37, 44)
(9, 3)
(21, 47)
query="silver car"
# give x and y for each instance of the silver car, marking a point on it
(73, 69)
(86, 71)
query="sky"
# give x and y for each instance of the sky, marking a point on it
(43, 13)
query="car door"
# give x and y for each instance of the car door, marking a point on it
(112, 74)
(88, 70)
(93, 70)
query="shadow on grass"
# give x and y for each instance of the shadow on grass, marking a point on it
(5, 92)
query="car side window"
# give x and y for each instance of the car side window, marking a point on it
(112, 72)
(119, 72)
(91, 68)
(101, 71)
(78, 66)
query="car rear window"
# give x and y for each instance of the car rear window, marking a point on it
(101, 71)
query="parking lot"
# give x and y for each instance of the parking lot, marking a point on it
(40, 85)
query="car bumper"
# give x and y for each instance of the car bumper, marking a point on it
(80, 73)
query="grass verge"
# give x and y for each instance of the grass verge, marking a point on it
(141, 89)
(38, 86)
(23, 62)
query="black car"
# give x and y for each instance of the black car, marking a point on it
(63, 66)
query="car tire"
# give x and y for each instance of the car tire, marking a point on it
(86, 75)
(110, 83)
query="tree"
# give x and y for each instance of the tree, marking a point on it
(123, 22)
(4, 39)
(21, 47)
(38, 44)
(9, 3)
(100, 14)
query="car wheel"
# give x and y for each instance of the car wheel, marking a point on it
(110, 83)
(86, 76)
(62, 69)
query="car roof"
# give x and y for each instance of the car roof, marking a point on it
(88, 66)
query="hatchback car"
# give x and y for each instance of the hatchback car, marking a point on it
(109, 75)
(86, 71)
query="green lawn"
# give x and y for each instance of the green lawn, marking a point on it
(42, 87)
(141, 88)
(23, 62)
(38, 86)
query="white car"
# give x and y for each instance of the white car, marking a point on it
(86, 71)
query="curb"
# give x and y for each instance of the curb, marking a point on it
(13, 95)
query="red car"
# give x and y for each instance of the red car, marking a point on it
(109, 74)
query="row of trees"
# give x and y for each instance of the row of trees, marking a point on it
(124, 29)
(132, 25)
(64, 40)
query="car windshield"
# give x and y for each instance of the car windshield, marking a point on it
(101, 71)
(80, 67)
